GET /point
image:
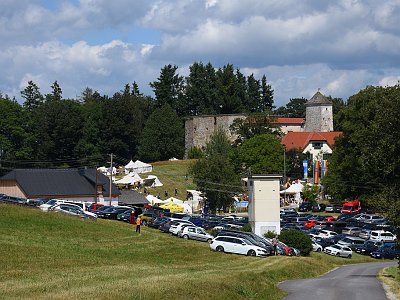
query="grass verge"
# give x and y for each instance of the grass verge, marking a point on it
(46, 255)
(391, 277)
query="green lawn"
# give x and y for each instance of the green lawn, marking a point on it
(45, 255)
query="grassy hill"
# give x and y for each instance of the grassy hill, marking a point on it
(46, 255)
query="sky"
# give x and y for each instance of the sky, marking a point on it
(337, 46)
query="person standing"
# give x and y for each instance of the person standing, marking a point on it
(138, 223)
(275, 242)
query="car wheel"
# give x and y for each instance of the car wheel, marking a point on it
(186, 237)
(144, 223)
(319, 250)
(349, 256)
(251, 253)
(337, 254)
(220, 249)
(209, 241)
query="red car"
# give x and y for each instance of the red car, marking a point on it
(330, 219)
(309, 224)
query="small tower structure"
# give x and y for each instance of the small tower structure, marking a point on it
(319, 114)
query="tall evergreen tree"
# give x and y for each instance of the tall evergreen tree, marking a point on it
(253, 103)
(56, 93)
(267, 96)
(169, 89)
(33, 97)
(228, 99)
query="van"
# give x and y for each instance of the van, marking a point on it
(383, 236)
(351, 241)
(352, 206)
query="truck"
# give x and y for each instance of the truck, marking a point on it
(352, 206)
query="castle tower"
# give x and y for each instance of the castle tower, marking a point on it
(319, 115)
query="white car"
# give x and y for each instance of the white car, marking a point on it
(316, 247)
(236, 245)
(195, 233)
(72, 210)
(339, 250)
(383, 236)
(175, 228)
(326, 234)
(50, 203)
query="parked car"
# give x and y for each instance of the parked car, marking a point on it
(157, 222)
(383, 236)
(351, 230)
(388, 250)
(351, 241)
(305, 206)
(72, 210)
(318, 207)
(195, 233)
(333, 208)
(236, 245)
(372, 219)
(368, 247)
(101, 208)
(176, 227)
(125, 216)
(339, 250)
(251, 237)
(112, 212)
(323, 242)
(94, 206)
(316, 247)
(326, 233)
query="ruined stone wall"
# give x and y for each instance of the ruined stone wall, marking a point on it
(199, 129)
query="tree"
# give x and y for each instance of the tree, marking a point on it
(267, 96)
(169, 89)
(296, 108)
(214, 174)
(56, 94)
(200, 90)
(228, 100)
(262, 154)
(253, 125)
(253, 103)
(163, 136)
(33, 97)
(310, 193)
(365, 162)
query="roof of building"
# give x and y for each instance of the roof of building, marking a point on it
(300, 140)
(132, 197)
(59, 182)
(297, 121)
(318, 99)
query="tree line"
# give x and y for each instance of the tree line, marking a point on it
(50, 130)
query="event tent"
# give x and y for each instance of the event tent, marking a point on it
(173, 207)
(187, 209)
(156, 182)
(294, 188)
(131, 178)
(138, 167)
(154, 200)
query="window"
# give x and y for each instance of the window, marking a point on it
(191, 230)
(317, 145)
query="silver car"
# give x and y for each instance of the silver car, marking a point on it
(195, 233)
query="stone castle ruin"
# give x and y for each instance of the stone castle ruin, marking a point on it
(319, 118)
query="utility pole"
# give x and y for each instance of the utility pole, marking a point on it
(284, 172)
(95, 187)
(111, 171)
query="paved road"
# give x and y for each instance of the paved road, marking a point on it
(354, 282)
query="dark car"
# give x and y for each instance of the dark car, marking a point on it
(101, 209)
(324, 242)
(318, 207)
(305, 206)
(125, 216)
(112, 212)
(368, 247)
(157, 222)
(388, 250)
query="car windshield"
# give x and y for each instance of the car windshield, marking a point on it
(336, 247)
(51, 202)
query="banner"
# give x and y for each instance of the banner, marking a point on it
(305, 169)
(316, 171)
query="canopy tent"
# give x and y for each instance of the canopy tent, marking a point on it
(293, 189)
(138, 167)
(131, 178)
(187, 209)
(155, 181)
(154, 200)
(173, 207)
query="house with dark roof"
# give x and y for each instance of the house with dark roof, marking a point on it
(74, 184)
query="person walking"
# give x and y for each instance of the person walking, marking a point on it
(138, 223)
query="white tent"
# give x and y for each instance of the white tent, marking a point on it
(154, 200)
(131, 178)
(294, 188)
(138, 167)
(156, 182)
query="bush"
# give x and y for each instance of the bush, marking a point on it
(247, 228)
(195, 152)
(297, 239)
(270, 234)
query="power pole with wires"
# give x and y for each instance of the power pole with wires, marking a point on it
(111, 173)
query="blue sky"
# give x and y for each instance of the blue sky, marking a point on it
(339, 46)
